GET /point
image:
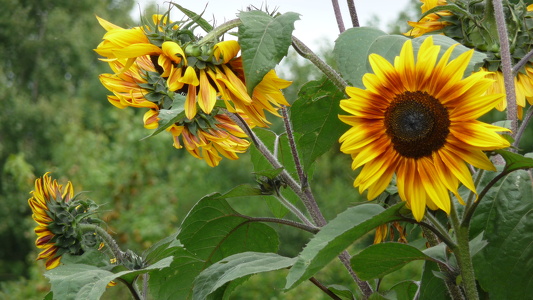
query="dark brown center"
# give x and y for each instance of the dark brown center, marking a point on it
(417, 124)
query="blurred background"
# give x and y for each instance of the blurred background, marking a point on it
(54, 117)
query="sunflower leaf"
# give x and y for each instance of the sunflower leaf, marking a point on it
(237, 266)
(381, 259)
(242, 191)
(211, 231)
(195, 17)
(86, 282)
(432, 287)
(336, 236)
(515, 161)
(167, 117)
(348, 49)
(505, 216)
(314, 115)
(264, 41)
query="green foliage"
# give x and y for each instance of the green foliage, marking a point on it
(76, 281)
(381, 259)
(349, 49)
(336, 236)
(211, 232)
(264, 42)
(504, 216)
(237, 266)
(315, 117)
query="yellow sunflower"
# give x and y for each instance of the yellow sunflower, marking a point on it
(46, 194)
(206, 136)
(431, 22)
(523, 83)
(417, 119)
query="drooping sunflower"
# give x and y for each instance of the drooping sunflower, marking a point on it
(47, 193)
(204, 74)
(417, 119)
(206, 136)
(431, 22)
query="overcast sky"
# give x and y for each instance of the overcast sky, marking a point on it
(317, 20)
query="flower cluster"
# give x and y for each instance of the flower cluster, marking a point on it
(57, 213)
(187, 85)
(473, 25)
(417, 119)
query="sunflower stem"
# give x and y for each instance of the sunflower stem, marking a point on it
(290, 135)
(214, 34)
(471, 196)
(304, 194)
(520, 64)
(436, 227)
(507, 70)
(324, 288)
(294, 210)
(523, 126)
(307, 53)
(308, 228)
(353, 13)
(462, 254)
(464, 260)
(108, 240)
(338, 15)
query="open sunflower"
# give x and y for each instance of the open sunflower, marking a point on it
(417, 119)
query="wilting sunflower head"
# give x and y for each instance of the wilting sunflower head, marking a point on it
(207, 136)
(416, 119)
(57, 212)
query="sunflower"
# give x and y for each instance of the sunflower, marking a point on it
(43, 197)
(523, 83)
(431, 22)
(206, 136)
(207, 75)
(417, 119)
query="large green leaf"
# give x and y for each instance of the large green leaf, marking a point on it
(336, 236)
(234, 267)
(351, 52)
(211, 231)
(264, 41)
(86, 282)
(381, 259)
(314, 116)
(504, 267)
(432, 287)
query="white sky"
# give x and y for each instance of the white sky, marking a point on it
(317, 20)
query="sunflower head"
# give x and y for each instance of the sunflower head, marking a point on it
(472, 23)
(57, 212)
(417, 120)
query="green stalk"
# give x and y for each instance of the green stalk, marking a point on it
(214, 34)
(462, 253)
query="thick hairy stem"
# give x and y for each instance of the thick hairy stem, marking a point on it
(307, 53)
(363, 285)
(108, 240)
(338, 15)
(464, 260)
(506, 65)
(353, 13)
